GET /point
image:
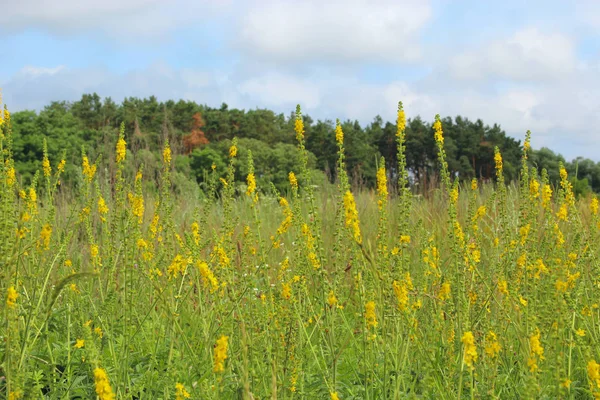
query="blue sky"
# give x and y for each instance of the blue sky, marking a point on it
(524, 65)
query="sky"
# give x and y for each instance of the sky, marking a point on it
(523, 65)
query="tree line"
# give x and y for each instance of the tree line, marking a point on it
(200, 135)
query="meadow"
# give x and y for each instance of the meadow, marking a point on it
(117, 288)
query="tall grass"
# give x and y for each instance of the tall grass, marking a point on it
(476, 291)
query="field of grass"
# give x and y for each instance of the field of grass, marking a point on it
(477, 291)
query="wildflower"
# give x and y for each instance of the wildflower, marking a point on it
(94, 250)
(536, 352)
(331, 299)
(121, 149)
(11, 297)
(251, 181)
(444, 293)
(566, 383)
(293, 180)
(167, 154)
(438, 133)
(103, 389)
(534, 189)
(503, 286)
(474, 184)
(286, 291)
(382, 190)
(98, 331)
(339, 134)
(454, 194)
(180, 392)
(401, 290)
(498, 161)
(102, 208)
(370, 316)
(334, 396)
(137, 206)
(470, 355)
(11, 177)
(492, 347)
(79, 343)
(562, 212)
(546, 196)
(208, 278)
(74, 288)
(594, 206)
(400, 121)
(61, 166)
(352, 216)
(46, 166)
(88, 170)
(177, 266)
(220, 354)
(580, 332)
(32, 200)
(45, 235)
(404, 239)
(299, 124)
(593, 371)
(233, 151)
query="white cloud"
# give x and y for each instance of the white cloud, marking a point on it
(278, 90)
(527, 55)
(121, 19)
(334, 31)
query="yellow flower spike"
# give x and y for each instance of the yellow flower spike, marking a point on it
(299, 124)
(498, 161)
(11, 297)
(331, 299)
(594, 206)
(470, 351)
(370, 315)
(180, 392)
(400, 120)
(293, 180)
(251, 181)
(103, 389)
(382, 189)
(438, 133)
(167, 154)
(121, 149)
(339, 134)
(352, 220)
(89, 170)
(492, 347)
(220, 354)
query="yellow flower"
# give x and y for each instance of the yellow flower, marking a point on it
(102, 208)
(470, 355)
(400, 121)
(137, 206)
(492, 347)
(177, 266)
(167, 154)
(11, 176)
(438, 133)
(45, 235)
(370, 316)
(251, 181)
(180, 392)
(94, 250)
(103, 389)
(11, 297)
(293, 180)
(503, 286)
(46, 166)
(331, 299)
(562, 212)
(474, 184)
(88, 170)
(339, 134)
(580, 332)
(534, 189)
(286, 291)
(404, 239)
(299, 124)
(498, 161)
(401, 290)
(98, 331)
(121, 150)
(563, 174)
(536, 352)
(382, 190)
(233, 151)
(593, 370)
(352, 216)
(79, 343)
(74, 288)
(334, 396)
(61, 166)
(220, 354)
(444, 293)
(566, 383)
(546, 196)
(594, 206)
